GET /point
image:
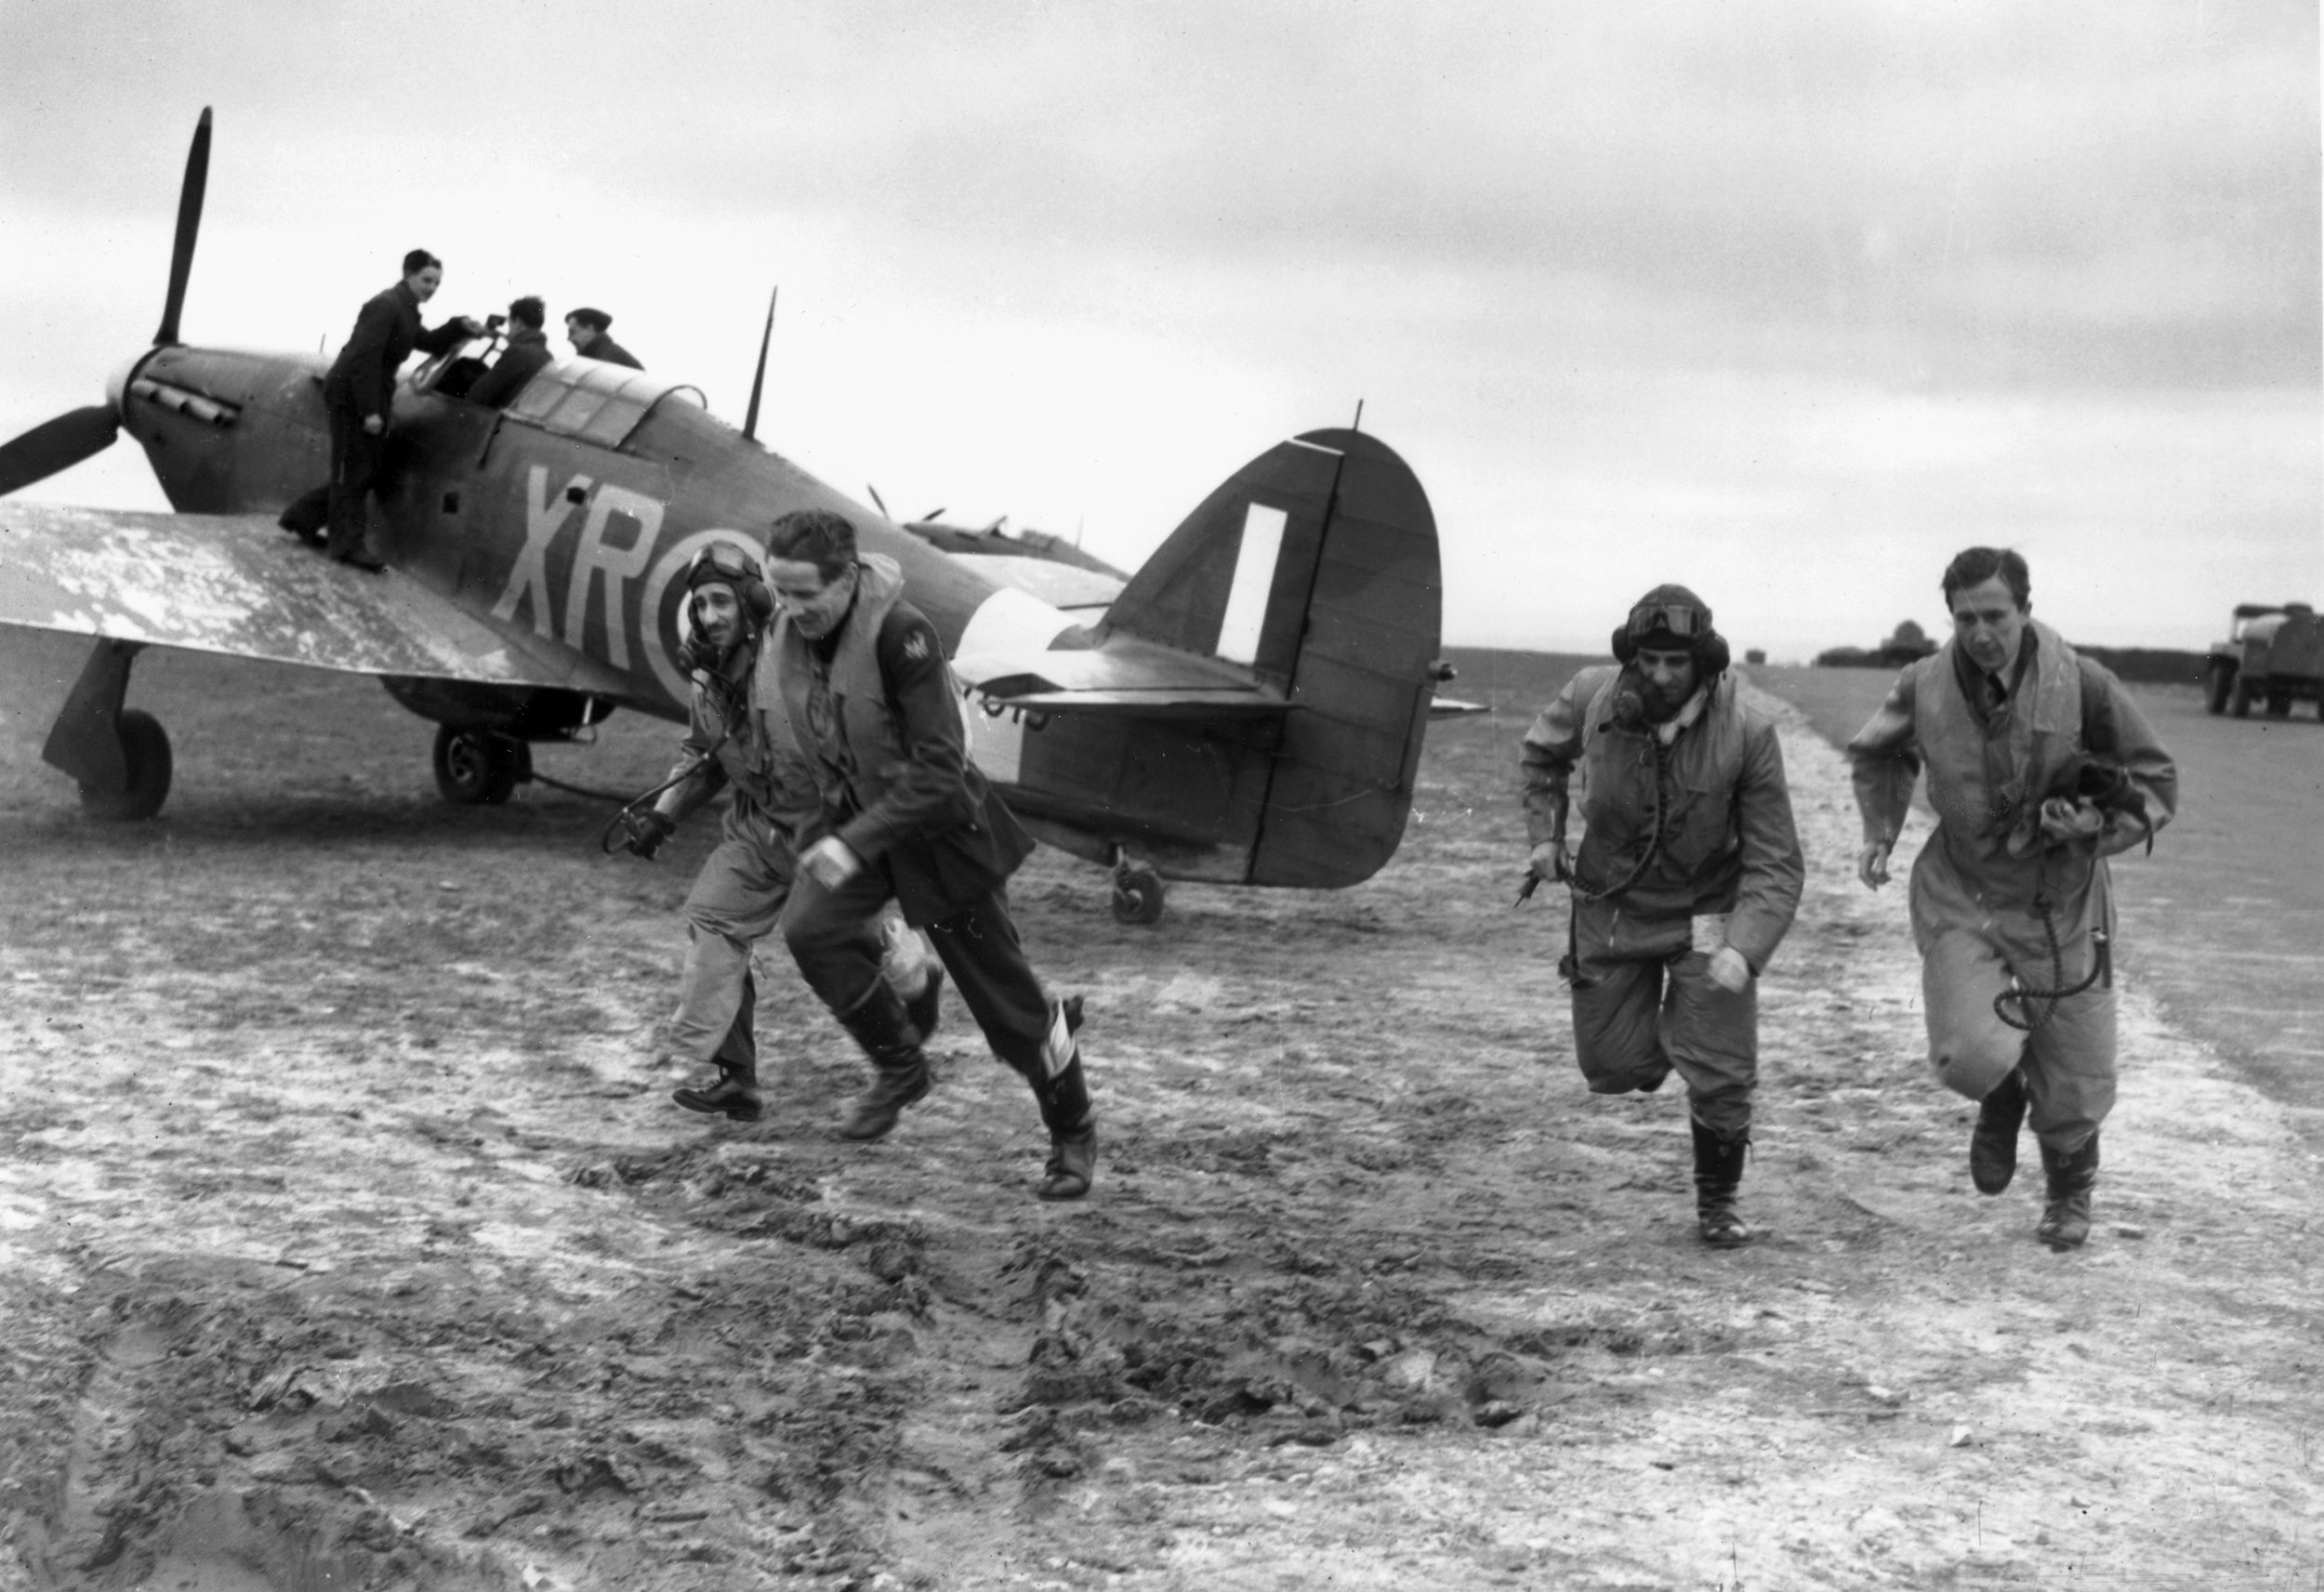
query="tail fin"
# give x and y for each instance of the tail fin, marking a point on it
(1316, 567)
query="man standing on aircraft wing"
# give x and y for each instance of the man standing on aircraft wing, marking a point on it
(359, 394)
(905, 813)
(1688, 875)
(2040, 768)
(738, 741)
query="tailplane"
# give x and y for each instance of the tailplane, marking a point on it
(1315, 568)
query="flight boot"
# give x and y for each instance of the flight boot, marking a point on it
(1071, 1121)
(1718, 1174)
(900, 1073)
(1993, 1142)
(2066, 1213)
(735, 1096)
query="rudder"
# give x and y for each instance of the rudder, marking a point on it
(1316, 566)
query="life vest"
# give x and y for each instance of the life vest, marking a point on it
(851, 736)
(1987, 780)
(1629, 779)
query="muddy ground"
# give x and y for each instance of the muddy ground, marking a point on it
(348, 1238)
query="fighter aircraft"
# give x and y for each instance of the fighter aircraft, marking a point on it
(1247, 708)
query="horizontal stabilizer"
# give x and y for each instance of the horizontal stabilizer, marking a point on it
(235, 584)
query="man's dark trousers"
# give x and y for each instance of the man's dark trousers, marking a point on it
(833, 938)
(355, 455)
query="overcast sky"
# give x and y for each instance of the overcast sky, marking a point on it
(1786, 299)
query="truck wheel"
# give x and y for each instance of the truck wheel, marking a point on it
(2278, 703)
(2221, 684)
(2240, 703)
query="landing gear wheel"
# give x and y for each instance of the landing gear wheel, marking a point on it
(476, 767)
(1137, 894)
(2222, 683)
(145, 752)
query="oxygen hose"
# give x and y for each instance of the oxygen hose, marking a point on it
(2101, 966)
(622, 827)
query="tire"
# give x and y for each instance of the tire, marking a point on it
(475, 768)
(145, 750)
(2278, 703)
(2221, 682)
(1138, 896)
(2240, 702)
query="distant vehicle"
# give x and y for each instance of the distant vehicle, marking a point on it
(1908, 644)
(2273, 655)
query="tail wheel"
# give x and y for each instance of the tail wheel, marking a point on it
(145, 752)
(2221, 683)
(476, 767)
(1137, 895)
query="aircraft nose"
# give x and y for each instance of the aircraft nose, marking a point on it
(117, 381)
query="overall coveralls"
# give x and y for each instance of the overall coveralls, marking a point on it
(1999, 907)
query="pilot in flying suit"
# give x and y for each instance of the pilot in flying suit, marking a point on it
(1686, 880)
(734, 742)
(2039, 767)
(904, 813)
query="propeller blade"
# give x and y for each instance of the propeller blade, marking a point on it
(56, 445)
(189, 224)
(750, 420)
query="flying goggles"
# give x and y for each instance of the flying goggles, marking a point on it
(1677, 618)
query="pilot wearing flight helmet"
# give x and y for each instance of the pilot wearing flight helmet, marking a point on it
(736, 743)
(1686, 878)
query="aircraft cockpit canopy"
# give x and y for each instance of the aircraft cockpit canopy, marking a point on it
(595, 401)
(585, 398)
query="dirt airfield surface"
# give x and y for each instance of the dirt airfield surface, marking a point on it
(348, 1237)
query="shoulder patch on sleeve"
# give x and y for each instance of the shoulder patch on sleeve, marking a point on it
(917, 645)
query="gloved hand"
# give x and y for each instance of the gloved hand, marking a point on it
(1551, 862)
(1729, 969)
(2065, 820)
(644, 834)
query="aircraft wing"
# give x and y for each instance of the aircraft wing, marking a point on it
(236, 585)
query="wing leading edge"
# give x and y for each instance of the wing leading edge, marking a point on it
(235, 584)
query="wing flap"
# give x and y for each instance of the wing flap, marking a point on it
(236, 585)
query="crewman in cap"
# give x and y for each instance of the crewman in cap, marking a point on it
(2041, 766)
(1687, 875)
(740, 743)
(586, 330)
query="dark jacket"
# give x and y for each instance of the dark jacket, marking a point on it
(612, 353)
(518, 362)
(387, 329)
(881, 723)
(1725, 842)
